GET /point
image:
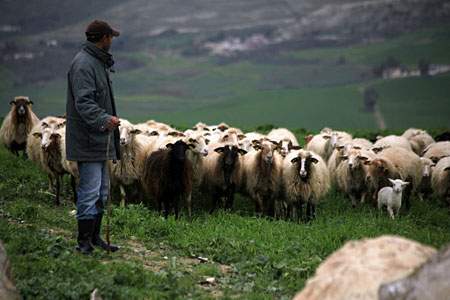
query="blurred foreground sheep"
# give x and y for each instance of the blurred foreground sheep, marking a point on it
(357, 270)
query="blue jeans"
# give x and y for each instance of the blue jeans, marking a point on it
(92, 189)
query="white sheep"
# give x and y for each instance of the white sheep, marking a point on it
(391, 141)
(262, 169)
(397, 163)
(17, 124)
(247, 142)
(436, 151)
(440, 179)
(286, 139)
(391, 197)
(324, 143)
(357, 269)
(419, 139)
(306, 179)
(351, 174)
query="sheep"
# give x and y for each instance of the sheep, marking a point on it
(231, 136)
(436, 151)
(262, 169)
(341, 150)
(418, 138)
(247, 142)
(17, 124)
(222, 173)
(286, 140)
(52, 159)
(391, 141)
(425, 185)
(391, 197)
(324, 143)
(125, 173)
(351, 174)
(305, 180)
(357, 269)
(440, 179)
(397, 163)
(427, 282)
(167, 177)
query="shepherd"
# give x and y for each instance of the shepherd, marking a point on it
(92, 135)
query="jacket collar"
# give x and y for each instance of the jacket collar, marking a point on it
(98, 53)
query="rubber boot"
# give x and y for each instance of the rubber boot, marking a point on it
(85, 228)
(97, 239)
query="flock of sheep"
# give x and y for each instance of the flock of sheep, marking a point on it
(280, 177)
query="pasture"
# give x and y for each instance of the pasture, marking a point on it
(249, 257)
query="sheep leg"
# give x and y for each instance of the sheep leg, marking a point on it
(74, 188)
(308, 212)
(363, 197)
(166, 207)
(58, 189)
(175, 201)
(270, 207)
(391, 212)
(122, 195)
(50, 183)
(353, 199)
(189, 205)
(259, 206)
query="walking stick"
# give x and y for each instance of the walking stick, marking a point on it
(108, 201)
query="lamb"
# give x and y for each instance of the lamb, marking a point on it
(286, 139)
(440, 179)
(436, 151)
(167, 177)
(262, 169)
(391, 141)
(397, 163)
(367, 264)
(305, 180)
(17, 124)
(391, 197)
(351, 174)
(222, 173)
(419, 139)
(324, 143)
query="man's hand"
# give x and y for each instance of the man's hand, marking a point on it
(112, 123)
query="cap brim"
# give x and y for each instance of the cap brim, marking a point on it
(115, 32)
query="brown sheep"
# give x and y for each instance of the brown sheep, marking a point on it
(167, 177)
(18, 124)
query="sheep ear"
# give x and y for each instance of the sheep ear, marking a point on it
(12, 102)
(154, 133)
(379, 137)
(220, 149)
(241, 136)
(404, 183)
(363, 158)
(295, 147)
(314, 160)
(274, 142)
(447, 169)
(377, 149)
(344, 157)
(192, 141)
(357, 147)
(257, 146)
(206, 129)
(135, 131)
(191, 146)
(206, 141)
(242, 151)
(391, 181)
(326, 136)
(37, 134)
(30, 102)
(295, 159)
(169, 146)
(434, 159)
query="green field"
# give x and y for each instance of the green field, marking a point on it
(249, 257)
(309, 88)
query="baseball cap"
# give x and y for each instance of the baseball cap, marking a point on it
(99, 28)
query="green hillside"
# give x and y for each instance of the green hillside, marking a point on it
(308, 88)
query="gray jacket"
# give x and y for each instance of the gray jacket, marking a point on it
(90, 104)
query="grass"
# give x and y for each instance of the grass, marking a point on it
(249, 257)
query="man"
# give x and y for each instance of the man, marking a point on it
(92, 128)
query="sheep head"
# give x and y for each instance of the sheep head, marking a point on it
(303, 163)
